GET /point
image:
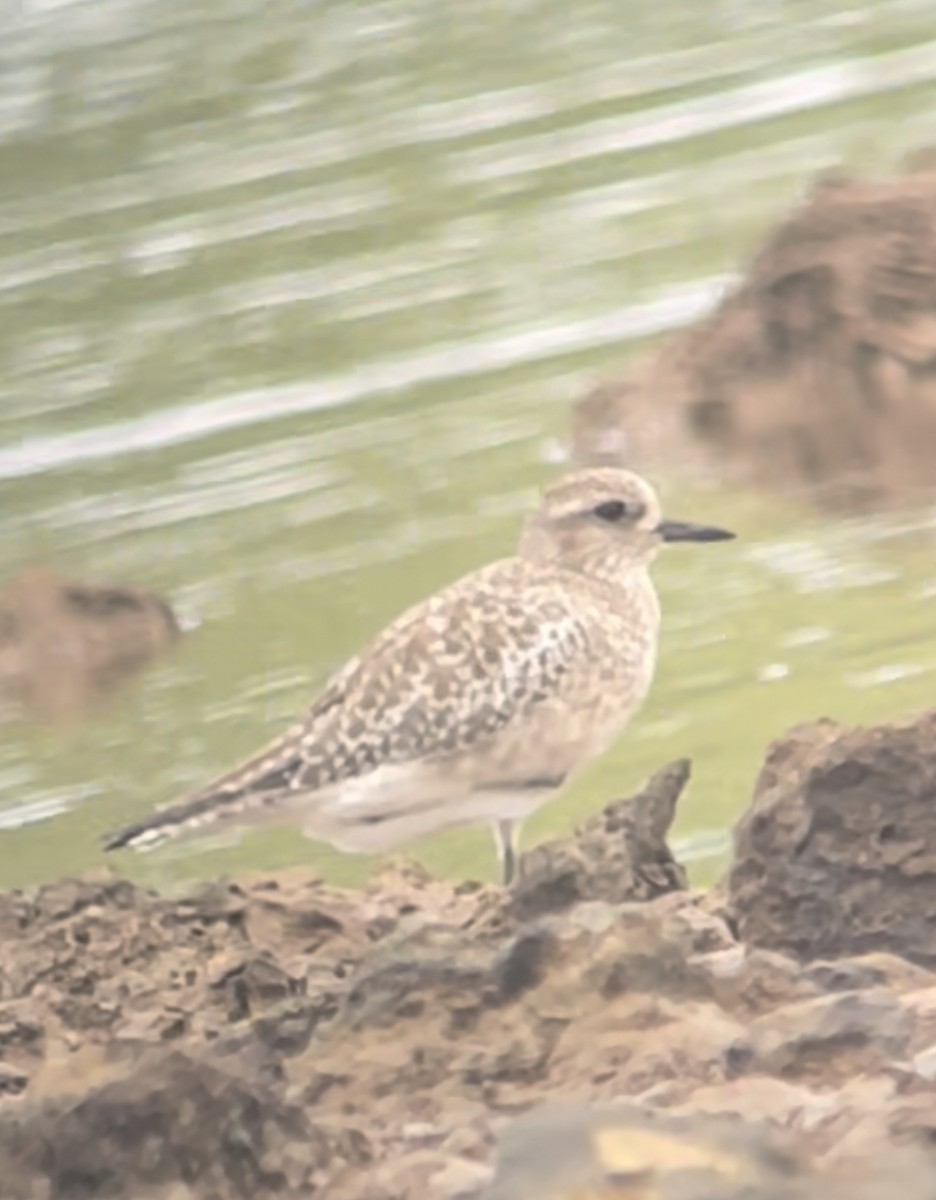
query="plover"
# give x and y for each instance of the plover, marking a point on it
(480, 703)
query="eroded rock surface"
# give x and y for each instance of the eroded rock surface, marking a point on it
(837, 853)
(279, 1038)
(574, 1153)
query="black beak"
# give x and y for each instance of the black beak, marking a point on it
(682, 531)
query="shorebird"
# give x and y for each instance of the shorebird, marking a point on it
(480, 703)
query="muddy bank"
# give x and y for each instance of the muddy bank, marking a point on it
(276, 1037)
(816, 373)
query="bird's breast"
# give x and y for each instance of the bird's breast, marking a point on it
(621, 663)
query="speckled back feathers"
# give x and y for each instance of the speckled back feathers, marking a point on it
(519, 671)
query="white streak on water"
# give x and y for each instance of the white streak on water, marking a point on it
(461, 360)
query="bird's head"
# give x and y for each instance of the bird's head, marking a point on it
(603, 522)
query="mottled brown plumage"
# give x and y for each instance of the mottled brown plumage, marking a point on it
(479, 703)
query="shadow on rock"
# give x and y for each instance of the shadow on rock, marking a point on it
(170, 1120)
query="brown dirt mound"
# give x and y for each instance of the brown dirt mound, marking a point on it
(817, 372)
(65, 646)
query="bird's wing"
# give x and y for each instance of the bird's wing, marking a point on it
(445, 676)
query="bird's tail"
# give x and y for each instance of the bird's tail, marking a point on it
(178, 819)
(250, 787)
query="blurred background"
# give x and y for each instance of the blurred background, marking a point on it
(295, 302)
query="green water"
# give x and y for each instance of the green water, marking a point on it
(293, 300)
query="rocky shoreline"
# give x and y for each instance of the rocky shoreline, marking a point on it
(274, 1037)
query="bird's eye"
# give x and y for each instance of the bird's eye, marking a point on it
(610, 510)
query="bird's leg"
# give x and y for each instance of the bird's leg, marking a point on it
(505, 835)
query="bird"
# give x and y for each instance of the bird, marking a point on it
(477, 705)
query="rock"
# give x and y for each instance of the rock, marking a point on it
(749, 981)
(921, 1003)
(619, 1153)
(277, 1037)
(171, 1119)
(12, 1080)
(626, 421)
(868, 970)
(65, 646)
(765, 1100)
(250, 983)
(924, 1064)
(837, 853)
(569, 1153)
(619, 855)
(817, 372)
(833, 1037)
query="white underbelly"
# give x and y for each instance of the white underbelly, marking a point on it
(398, 804)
